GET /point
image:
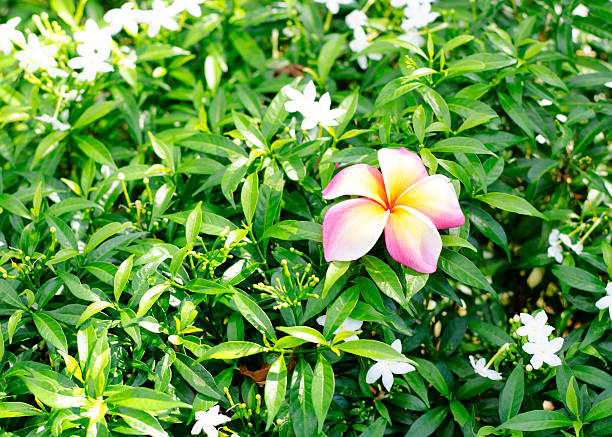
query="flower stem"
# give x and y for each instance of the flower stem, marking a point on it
(497, 354)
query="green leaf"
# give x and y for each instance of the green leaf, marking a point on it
(149, 298)
(431, 373)
(214, 145)
(373, 349)
(248, 130)
(340, 310)
(82, 291)
(385, 278)
(233, 349)
(196, 376)
(462, 269)
(249, 196)
(334, 272)
(141, 398)
(275, 388)
(461, 145)
(9, 296)
(293, 230)
(323, 385)
(300, 402)
(103, 234)
(163, 151)
(510, 202)
(491, 333)
(427, 424)
(486, 224)
(142, 422)
(305, 333)
(571, 399)
(578, 278)
(254, 314)
(418, 123)
(511, 396)
(13, 205)
(248, 49)
(600, 410)
(454, 241)
(193, 225)
(17, 409)
(72, 204)
(121, 276)
(93, 113)
(517, 113)
(537, 421)
(437, 104)
(328, 54)
(50, 331)
(93, 308)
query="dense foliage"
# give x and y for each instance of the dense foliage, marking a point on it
(161, 244)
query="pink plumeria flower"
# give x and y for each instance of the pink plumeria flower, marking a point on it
(544, 352)
(385, 369)
(535, 328)
(401, 199)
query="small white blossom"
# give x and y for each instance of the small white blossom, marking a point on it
(208, 421)
(480, 367)
(544, 352)
(561, 117)
(411, 35)
(581, 10)
(314, 112)
(158, 17)
(124, 17)
(558, 9)
(349, 325)
(326, 116)
(535, 328)
(334, 5)
(36, 57)
(191, 6)
(545, 102)
(386, 368)
(359, 43)
(91, 61)
(356, 19)
(555, 250)
(606, 301)
(419, 15)
(93, 37)
(53, 121)
(8, 35)
(541, 139)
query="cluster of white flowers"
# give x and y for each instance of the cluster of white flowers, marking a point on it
(539, 346)
(208, 421)
(385, 369)
(315, 113)
(555, 248)
(417, 14)
(94, 50)
(481, 368)
(606, 301)
(349, 325)
(334, 5)
(355, 21)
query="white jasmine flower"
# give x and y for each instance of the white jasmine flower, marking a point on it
(356, 19)
(419, 15)
(480, 367)
(334, 5)
(411, 35)
(606, 301)
(558, 9)
(349, 325)
(581, 11)
(158, 17)
(91, 61)
(545, 102)
(326, 116)
(304, 102)
(562, 118)
(191, 6)
(535, 328)
(608, 84)
(544, 352)
(36, 57)
(555, 250)
(122, 18)
(8, 34)
(386, 368)
(53, 121)
(565, 239)
(359, 43)
(93, 37)
(541, 139)
(208, 421)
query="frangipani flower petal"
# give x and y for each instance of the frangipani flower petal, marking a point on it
(351, 228)
(412, 239)
(435, 197)
(357, 180)
(400, 169)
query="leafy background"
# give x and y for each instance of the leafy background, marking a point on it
(164, 254)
